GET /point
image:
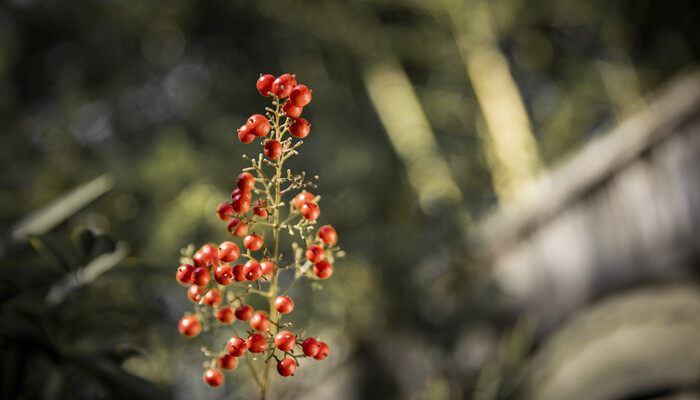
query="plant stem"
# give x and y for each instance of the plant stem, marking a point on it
(275, 254)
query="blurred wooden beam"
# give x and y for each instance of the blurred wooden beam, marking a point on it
(513, 154)
(391, 93)
(408, 129)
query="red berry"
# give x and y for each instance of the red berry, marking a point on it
(185, 274)
(201, 276)
(300, 128)
(285, 340)
(241, 193)
(244, 312)
(212, 298)
(300, 96)
(292, 111)
(310, 347)
(310, 211)
(228, 251)
(315, 253)
(245, 182)
(228, 362)
(284, 304)
(225, 315)
(323, 269)
(303, 198)
(283, 85)
(253, 242)
(259, 208)
(198, 259)
(264, 84)
(259, 125)
(195, 293)
(286, 367)
(322, 351)
(252, 270)
(241, 202)
(273, 149)
(267, 267)
(260, 322)
(213, 377)
(236, 228)
(224, 211)
(189, 326)
(236, 346)
(210, 254)
(256, 343)
(238, 274)
(223, 275)
(328, 235)
(245, 135)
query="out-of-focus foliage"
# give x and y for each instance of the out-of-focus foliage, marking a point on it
(69, 320)
(151, 92)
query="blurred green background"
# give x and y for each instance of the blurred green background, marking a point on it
(426, 116)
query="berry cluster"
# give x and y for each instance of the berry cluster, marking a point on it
(219, 284)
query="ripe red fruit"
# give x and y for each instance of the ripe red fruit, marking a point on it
(241, 202)
(223, 275)
(195, 293)
(256, 343)
(259, 208)
(245, 135)
(236, 228)
(224, 211)
(252, 270)
(273, 149)
(253, 242)
(198, 259)
(260, 322)
(323, 269)
(245, 182)
(238, 274)
(189, 326)
(267, 267)
(212, 298)
(286, 367)
(300, 128)
(213, 377)
(292, 111)
(303, 198)
(244, 312)
(225, 315)
(201, 276)
(264, 84)
(283, 85)
(323, 351)
(284, 304)
(236, 346)
(185, 274)
(300, 96)
(315, 253)
(310, 347)
(259, 125)
(228, 362)
(238, 192)
(285, 340)
(310, 211)
(328, 235)
(228, 251)
(210, 254)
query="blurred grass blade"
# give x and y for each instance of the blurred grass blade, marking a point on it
(87, 274)
(65, 206)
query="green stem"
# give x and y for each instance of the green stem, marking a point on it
(272, 293)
